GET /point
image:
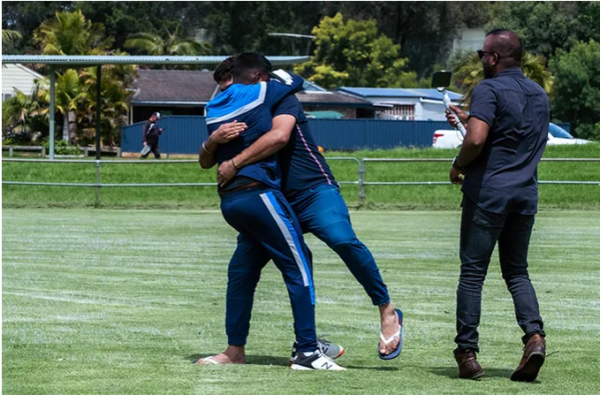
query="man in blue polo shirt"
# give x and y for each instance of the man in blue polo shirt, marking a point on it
(253, 205)
(310, 188)
(507, 130)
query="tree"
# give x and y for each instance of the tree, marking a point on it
(114, 100)
(69, 95)
(546, 26)
(424, 30)
(25, 17)
(19, 110)
(353, 54)
(70, 33)
(469, 73)
(9, 39)
(578, 88)
(153, 44)
(10, 35)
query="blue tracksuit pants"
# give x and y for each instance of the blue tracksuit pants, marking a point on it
(323, 212)
(266, 223)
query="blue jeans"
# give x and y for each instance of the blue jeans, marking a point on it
(323, 212)
(267, 224)
(480, 230)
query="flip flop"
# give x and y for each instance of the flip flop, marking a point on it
(397, 335)
(209, 360)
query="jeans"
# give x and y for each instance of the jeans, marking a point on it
(323, 212)
(480, 230)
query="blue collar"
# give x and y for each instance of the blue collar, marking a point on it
(511, 71)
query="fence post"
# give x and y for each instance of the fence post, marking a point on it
(361, 183)
(10, 151)
(43, 151)
(97, 183)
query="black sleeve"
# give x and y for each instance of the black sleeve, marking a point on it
(145, 130)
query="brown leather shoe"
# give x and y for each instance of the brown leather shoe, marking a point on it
(468, 367)
(533, 359)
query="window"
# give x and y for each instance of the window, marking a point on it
(6, 96)
(405, 112)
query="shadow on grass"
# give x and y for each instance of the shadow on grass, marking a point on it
(250, 359)
(453, 372)
(282, 361)
(382, 368)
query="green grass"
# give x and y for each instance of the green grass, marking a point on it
(382, 197)
(103, 301)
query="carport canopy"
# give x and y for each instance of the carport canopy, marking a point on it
(77, 61)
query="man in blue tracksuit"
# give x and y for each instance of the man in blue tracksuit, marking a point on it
(310, 188)
(253, 205)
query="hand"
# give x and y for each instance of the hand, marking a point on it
(228, 131)
(225, 173)
(456, 176)
(462, 116)
(145, 144)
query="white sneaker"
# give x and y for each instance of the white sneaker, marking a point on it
(314, 361)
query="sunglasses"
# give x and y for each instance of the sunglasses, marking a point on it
(481, 53)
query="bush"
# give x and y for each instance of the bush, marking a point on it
(61, 147)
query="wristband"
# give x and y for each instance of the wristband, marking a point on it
(234, 166)
(204, 148)
(456, 166)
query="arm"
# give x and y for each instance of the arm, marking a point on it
(477, 133)
(225, 133)
(281, 85)
(144, 131)
(484, 104)
(270, 143)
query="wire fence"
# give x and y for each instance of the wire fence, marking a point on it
(360, 181)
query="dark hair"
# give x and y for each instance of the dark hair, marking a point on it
(508, 48)
(248, 63)
(224, 71)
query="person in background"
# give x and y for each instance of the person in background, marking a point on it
(150, 135)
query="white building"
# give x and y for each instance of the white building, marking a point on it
(469, 40)
(405, 104)
(19, 77)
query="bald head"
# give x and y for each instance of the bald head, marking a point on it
(507, 45)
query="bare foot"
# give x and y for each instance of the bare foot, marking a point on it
(232, 355)
(389, 327)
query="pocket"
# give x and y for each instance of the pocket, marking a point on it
(486, 219)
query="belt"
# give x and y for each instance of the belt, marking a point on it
(245, 187)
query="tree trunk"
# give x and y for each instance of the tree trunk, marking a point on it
(72, 126)
(65, 128)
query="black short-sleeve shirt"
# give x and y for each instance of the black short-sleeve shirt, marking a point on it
(503, 178)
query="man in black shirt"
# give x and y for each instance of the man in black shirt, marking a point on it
(507, 130)
(150, 135)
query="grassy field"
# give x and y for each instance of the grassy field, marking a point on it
(105, 301)
(438, 197)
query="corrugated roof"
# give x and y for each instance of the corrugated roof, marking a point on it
(166, 86)
(431, 94)
(109, 59)
(178, 87)
(331, 98)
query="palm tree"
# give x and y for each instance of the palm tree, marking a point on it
(470, 73)
(114, 99)
(69, 94)
(153, 44)
(10, 35)
(70, 33)
(19, 110)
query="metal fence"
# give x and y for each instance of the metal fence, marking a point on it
(361, 180)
